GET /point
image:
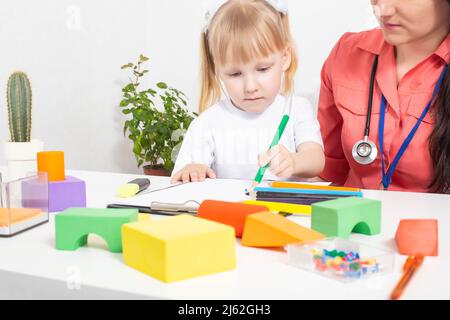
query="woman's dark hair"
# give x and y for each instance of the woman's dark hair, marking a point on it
(440, 138)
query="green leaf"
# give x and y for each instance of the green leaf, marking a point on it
(137, 148)
(124, 103)
(143, 58)
(129, 87)
(126, 66)
(162, 85)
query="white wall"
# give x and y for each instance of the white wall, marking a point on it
(73, 50)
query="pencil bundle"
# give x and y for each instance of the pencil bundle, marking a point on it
(302, 194)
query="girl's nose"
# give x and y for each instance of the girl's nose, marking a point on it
(250, 85)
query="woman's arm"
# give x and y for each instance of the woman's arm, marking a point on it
(336, 165)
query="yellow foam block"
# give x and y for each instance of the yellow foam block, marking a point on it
(267, 230)
(144, 217)
(283, 207)
(179, 248)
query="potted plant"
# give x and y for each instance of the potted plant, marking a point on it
(20, 151)
(159, 120)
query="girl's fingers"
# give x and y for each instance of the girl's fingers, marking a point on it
(277, 162)
(267, 157)
(284, 165)
(194, 173)
(210, 173)
(287, 173)
(194, 176)
(185, 177)
(202, 176)
(176, 177)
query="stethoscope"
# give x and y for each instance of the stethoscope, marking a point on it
(365, 151)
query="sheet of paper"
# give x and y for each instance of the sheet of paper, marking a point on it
(218, 189)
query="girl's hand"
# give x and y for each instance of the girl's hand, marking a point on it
(194, 173)
(282, 161)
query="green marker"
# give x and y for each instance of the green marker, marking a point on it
(276, 140)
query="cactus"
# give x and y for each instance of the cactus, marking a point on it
(19, 107)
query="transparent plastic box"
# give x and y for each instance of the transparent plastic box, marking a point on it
(23, 204)
(341, 259)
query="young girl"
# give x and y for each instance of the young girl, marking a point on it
(247, 50)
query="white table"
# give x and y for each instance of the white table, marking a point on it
(31, 267)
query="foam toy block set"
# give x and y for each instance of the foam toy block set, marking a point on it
(169, 250)
(256, 224)
(180, 247)
(184, 246)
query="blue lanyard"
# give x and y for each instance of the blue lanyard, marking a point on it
(387, 177)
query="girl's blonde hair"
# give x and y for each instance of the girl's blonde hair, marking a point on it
(247, 29)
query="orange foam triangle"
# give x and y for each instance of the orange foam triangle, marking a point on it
(269, 230)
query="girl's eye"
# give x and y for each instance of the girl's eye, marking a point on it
(263, 69)
(234, 75)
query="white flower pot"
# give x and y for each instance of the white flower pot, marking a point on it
(21, 158)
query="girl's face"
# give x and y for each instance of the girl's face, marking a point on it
(253, 87)
(406, 21)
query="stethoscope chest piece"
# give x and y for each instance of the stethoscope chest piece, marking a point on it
(365, 152)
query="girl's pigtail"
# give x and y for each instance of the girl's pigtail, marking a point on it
(210, 88)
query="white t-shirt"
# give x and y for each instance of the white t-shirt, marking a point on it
(229, 140)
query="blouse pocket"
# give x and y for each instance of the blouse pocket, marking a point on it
(417, 106)
(352, 105)
(354, 100)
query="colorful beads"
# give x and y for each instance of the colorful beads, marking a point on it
(344, 264)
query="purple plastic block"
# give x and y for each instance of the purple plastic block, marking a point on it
(70, 193)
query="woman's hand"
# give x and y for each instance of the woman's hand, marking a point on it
(194, 173)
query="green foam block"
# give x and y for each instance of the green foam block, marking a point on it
(73, 226)
(344, 216)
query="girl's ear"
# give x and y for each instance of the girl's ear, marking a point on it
(287, 58)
